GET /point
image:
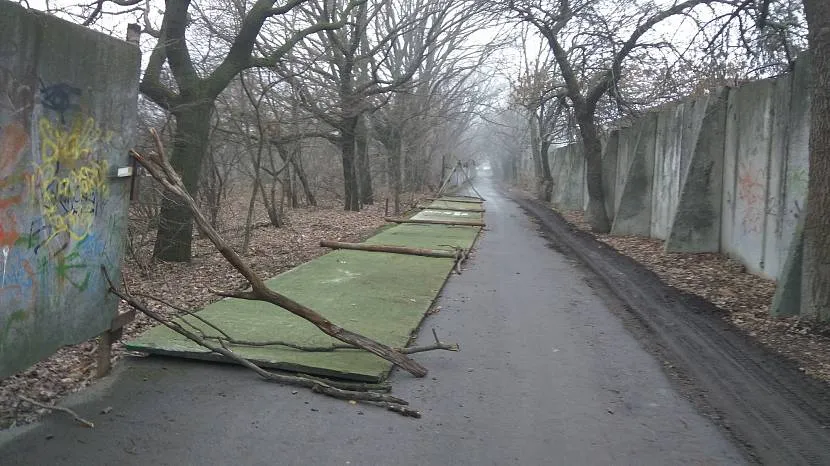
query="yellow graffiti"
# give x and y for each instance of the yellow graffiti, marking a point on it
(68, 181)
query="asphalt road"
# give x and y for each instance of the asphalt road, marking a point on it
(547, 375)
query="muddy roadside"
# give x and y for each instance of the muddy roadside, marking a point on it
(761, 399)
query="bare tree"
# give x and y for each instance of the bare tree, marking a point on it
(193, 85)
(590, 41)
(816, 292)
(541, 94)
(343, 75)
(430, 117)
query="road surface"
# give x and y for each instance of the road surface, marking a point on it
(547, 375)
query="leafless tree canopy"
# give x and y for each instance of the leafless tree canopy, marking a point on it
(279, 104)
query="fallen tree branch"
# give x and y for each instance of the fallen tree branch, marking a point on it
(315, 385)
(384, 387)
(182, 310)
(402, 410)
(438, 345)
(258, 344)
(466, 196)
(449, 209)
(461, 256)
(225, 339)
(470, 181)
(390, 249)
(446, 181)
(159, 167)
(473, 223)
(68, 411)
(471, 200)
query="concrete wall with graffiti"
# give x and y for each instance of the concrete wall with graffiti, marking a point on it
(68, 101)
(723, 172)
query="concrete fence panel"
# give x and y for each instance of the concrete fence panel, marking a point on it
(747, 158)
(636, 180)
(68, 101)
(697, 219)
(723, 172)
(666, 169)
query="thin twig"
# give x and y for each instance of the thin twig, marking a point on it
(226, 339)
(160, 168)
(315, 385)
(68, 411)
(186, 311)
(438, 345)
(257, 344)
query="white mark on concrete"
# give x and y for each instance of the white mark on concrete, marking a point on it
(5, 261)
(344, 275)
(453, 213)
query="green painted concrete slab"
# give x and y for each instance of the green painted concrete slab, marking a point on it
(380, 295)
(462, 199)
(427, 236)
(437, 214)
(455, 205)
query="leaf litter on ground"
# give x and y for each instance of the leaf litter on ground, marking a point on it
(744, 298)
(187, 285)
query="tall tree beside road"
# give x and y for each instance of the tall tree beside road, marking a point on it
(816, 270)
(590, 41)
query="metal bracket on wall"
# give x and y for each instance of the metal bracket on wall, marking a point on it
(130, 171)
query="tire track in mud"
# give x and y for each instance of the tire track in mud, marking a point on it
(777, 414)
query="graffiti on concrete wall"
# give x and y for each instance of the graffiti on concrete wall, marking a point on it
(68, 180)
(16, 106)
(797, 183)
(751, 187)
(63, 210)
(53, 178)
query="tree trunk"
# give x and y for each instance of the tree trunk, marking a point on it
(395, 170)
(408, 169)
(297, 162)
(211, 187)
(443, 167)
(392, 249)
(816, 272)
(190, 139)
(288, 188)
(535, 151)
(367, 195)
(249, 217)
(547, 177)
(595, 214)
(351, 190)
(270, 204)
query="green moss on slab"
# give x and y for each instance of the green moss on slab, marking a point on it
(380, 295)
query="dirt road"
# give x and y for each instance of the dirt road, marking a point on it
(549, 374)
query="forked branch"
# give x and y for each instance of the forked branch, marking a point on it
(316, 385)
(159, 167)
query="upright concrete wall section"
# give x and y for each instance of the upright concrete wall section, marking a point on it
(610, 153)
(67, 118)
(748, 142)
(568, 170)
(666, 170)
(697, 219)
(726, 171)
(635, 166)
